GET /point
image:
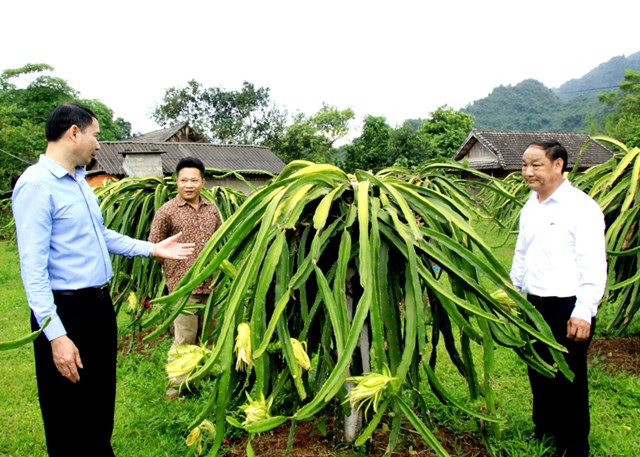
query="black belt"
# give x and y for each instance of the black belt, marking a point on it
(98, 291)
(549, 301)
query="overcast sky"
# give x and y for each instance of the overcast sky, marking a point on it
(399, 59)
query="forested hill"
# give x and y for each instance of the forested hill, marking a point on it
(602, 78)
(531, 106)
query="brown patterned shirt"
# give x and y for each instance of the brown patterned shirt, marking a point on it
(197, 226)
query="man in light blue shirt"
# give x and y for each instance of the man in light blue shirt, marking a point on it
(65, 266)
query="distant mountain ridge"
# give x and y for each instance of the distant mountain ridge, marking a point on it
(604, 77)
(572, 107)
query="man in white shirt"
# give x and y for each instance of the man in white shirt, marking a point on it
(560, 262)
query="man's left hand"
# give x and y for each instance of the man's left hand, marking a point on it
(578, 329)
(169, 248)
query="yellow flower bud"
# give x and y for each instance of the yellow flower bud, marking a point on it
(196, 436)
(300, 351)
(255, 410)
(132, 301)
(243, 347)
(195, 439)
(186, 359)
(501, 297)
(368, 389)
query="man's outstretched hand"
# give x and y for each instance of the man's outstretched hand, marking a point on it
(169, 248)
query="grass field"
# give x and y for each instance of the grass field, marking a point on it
(146, 424)
(149, 425)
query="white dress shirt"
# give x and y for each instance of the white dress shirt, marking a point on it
(561, 251)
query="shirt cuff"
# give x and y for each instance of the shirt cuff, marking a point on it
(148, 248)
(55, 328)
(583, 312)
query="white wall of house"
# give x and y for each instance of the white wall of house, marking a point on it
(140, 165)
(480, 152)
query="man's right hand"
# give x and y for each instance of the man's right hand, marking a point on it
(169, 248)
(578, 329)
(66, 357)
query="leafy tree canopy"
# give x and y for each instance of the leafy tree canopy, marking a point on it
(24, 109)
(445, 130)
(370, 151)
(624, 122)
(414, 142)
(246, 116)
(313, 137)
(407, 146)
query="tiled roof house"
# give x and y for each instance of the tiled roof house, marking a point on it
(499, 153)
(157, 154)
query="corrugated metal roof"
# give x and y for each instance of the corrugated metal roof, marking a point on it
(508, 146)
(223, 157)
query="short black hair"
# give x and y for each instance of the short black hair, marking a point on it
(190, 162)
(553, 150)
(63, 116)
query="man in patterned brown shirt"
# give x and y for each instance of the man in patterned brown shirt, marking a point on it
(197, 218)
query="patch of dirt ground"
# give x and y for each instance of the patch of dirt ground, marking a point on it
(613, 354)
(616, 354)
(309, 442)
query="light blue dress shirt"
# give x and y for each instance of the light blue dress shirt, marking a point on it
(62, 241)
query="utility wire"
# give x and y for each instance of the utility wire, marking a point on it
(586, 90)
(16, 157)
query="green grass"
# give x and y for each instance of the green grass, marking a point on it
(615, 398)
(615, 408)
(149, 425)
(146, 423)
(19, 410)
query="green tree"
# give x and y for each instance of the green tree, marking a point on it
(444, 131)
(20, 143)
(246, 116)
(24, 109)
(624, 123)
(22, 116)
(40, 95)
(370, 151)
(312, 138)
(44, 92)
(110, 129)
(406, 146)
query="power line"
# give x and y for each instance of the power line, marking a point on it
(587, 90)
(16, 157)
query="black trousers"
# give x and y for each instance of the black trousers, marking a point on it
(78, 418)
(561, 407)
